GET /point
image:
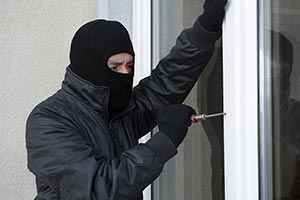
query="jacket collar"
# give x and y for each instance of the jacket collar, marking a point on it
(96, 96)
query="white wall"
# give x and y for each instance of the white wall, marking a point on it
(35, 37)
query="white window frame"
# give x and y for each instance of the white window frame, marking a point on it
(240, 55)
(141, 38)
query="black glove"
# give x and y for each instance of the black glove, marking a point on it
(174, 120)
(213, 14)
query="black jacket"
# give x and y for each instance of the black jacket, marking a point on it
(76, 152)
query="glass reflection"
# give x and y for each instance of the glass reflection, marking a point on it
(286, 115)
(284, 59)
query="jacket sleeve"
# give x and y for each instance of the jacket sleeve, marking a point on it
(60, 157)
(175, 75)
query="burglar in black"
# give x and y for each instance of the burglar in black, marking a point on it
(82, 142)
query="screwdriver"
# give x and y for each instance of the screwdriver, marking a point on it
(197, 118)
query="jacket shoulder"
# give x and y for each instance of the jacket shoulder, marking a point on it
(49, 103)
(54, 107)
(47, 118)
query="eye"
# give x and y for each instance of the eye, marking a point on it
(114, 67)
(130, 66)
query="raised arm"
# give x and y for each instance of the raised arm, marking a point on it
(176, 74)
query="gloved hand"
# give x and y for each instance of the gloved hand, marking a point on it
(213, 14)
(174, 120)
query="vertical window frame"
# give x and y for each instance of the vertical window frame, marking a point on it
(240, 55)
(141, 39)
(265, 107)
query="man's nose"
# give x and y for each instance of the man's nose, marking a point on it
(124, 69)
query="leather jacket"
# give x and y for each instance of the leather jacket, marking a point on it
(77, 152)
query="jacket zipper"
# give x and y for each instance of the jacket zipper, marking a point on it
(111, 131)
(113, 137)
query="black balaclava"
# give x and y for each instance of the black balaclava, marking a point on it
(91, 47)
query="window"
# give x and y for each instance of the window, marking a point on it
(197, 170)
(279, 86)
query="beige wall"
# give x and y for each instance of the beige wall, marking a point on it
(34, 45)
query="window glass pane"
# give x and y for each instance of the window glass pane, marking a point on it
(282, 72)
(197, 170)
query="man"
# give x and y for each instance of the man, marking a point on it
(82, 142)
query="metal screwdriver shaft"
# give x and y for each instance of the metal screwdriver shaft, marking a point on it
(196, 118)
(215, 115)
